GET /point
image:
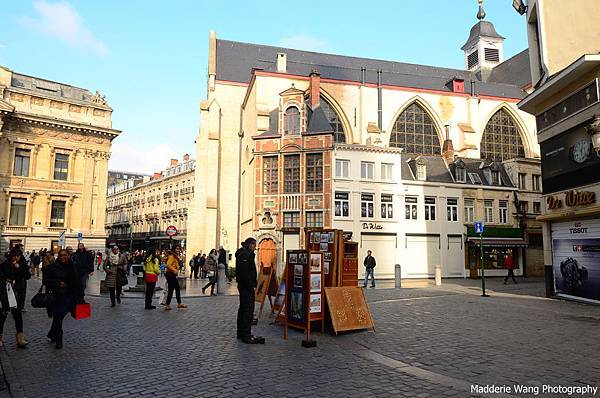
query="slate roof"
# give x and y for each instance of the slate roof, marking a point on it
(475, 166)
(515, 70)
(481, 29)
(436, 168)
(235, 61)
(317, 123)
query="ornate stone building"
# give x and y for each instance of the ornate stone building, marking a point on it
(55, 144)
(138, 214)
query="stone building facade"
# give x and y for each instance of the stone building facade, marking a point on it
(55, 144)
(138, 214)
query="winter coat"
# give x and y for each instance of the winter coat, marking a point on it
(111, 277)
(245, 268)
(222, 257)
(83, 261)
(173, 264)
(152, 267)
(509, 262)
(370, 262)
(65, 297)
(210, 264)
(18, 276)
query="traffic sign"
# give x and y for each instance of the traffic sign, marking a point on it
(79, 236)
(478, 227)
(171, 230)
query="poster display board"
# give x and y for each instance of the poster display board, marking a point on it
(348, 309)
(326, 241)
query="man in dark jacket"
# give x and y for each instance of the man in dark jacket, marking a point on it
(83, 261)
(222, 259)
(35, 263)
(369, 264)
(14, 270)
(245, 275)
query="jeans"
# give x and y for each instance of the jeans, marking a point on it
(17, 316)
(511, 274)
(370, 271)
(211, 282)
(56, 331)
(149, 293)
(173, 285)
(196, 269)
(245, 312)
(116, 290)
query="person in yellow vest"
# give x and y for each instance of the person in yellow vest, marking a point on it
(173, 260)
(151, 272)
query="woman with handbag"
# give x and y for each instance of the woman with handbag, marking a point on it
(115, 267)
(151, 272)
(63, 282)
(173, 258)
(13, 274)
(210, 266)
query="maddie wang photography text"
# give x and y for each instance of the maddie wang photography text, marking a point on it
(536, 390)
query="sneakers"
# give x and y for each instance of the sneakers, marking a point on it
(167, 307)
(253, 340)
(181, 306)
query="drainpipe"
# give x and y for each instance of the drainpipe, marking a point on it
(379, 102)
(239, 198)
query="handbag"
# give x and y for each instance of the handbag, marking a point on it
(82, 311)
(163, 296)
(42, 300)
(121, 277)
(12, 299)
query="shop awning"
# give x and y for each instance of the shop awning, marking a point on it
(498, 242)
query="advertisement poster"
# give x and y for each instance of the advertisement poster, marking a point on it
(577, 267)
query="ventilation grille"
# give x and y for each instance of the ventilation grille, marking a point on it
(492, 55)
(472, 59)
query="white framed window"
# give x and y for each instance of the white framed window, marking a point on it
(18, 207)
(429, 209)
(366, 205)
(342, 204)
(342, 168)
(461, 174)
(387, 171)
(421, 172)
(367, 170)
(469, 210)
(21, 163)
(314, 219)
(488, 210)
(291, 219)
(503, 207)
(410, 208)
(452, 209)
(387, 206)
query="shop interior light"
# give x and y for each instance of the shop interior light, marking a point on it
(519, 6)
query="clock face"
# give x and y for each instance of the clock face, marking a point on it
(581, 151)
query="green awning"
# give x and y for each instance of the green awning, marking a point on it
(497, 232)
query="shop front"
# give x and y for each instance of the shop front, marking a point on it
(497, 244)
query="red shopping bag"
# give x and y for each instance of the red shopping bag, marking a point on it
(81, 311)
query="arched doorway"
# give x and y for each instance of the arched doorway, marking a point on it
(267, 254)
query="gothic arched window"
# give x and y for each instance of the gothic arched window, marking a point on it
(339, 136)
(415, 131)
(292, 120)
(501, 140)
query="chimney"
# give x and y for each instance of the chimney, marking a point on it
(315, 88)
(447, 147)
(174, 162)
(156, 176)
(186, 157)
(281, 62)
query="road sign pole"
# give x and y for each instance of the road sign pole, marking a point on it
(482, 267)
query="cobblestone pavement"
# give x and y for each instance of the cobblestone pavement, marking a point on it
(429, 342)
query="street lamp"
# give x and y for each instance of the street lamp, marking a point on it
(594, 131)
(2, 223)
(519, 6)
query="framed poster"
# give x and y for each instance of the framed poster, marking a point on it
(315, 262)
(298, 269)
(293, 258)
(315, 303)
(298, 281)
(315, 283)
(297, 305)
(302, 258)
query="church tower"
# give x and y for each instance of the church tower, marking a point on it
(485, 47)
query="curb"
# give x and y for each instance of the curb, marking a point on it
(15, 389)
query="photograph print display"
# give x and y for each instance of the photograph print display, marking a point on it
(324, 237)
(293, 258)
(315, 262)
(315, 303)
(301, 258)
(326, 267)
(298, 269)
(315, 282)
(298, 281)
(296, 305)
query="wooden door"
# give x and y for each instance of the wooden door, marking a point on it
(267, 254)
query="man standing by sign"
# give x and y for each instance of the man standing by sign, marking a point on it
(245, 275)
(369, 264)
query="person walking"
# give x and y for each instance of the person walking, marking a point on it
(47, 261)
(171, 275)
(509, 264)
(245, 275)
(192, 264)
(197, 261)
(210, 266)
(63, 281)
(13, 271)
(201, 262)
(114, 262)
(35, 263)
(83, 260)
(369, 264)
(151, 272)
(223, 261)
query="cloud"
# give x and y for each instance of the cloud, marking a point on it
(61, 21)
(304, 42)
(2, 45)
(141, 157)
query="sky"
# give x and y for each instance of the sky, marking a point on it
(149, 57)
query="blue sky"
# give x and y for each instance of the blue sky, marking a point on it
(150, 57)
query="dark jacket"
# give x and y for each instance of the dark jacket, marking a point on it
(222, 256)
(83, 261)
(19, 276)
(35, 259)
(370, 262)
(245, 268)
(66, 297)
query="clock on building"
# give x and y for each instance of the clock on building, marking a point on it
(580, 152)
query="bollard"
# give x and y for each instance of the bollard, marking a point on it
(438, 275)
(221, 280)
(398, 276)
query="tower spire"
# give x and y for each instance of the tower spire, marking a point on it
(481, 12)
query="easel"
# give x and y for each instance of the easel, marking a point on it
(278, 305)
(266, 287)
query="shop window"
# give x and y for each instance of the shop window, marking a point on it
(503, 207)
(452, 209)
(342, 168)
(488, 211)
(291, 219)
(21, 164)
(342, 204)
(410, 208)
(18, 208)
(314, 219)
(387, 206)
(366, 205)
(430, 209)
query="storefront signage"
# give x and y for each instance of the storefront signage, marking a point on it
(572, 199)
(371, 226)
(578, 229)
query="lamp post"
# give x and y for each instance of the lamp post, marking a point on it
(2, 223)
(519, 6)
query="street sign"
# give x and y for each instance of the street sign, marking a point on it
(62, 240)
(79, 236)
(171, 231)
(478, 227)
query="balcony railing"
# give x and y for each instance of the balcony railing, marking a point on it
(16, 228)
(291, 202)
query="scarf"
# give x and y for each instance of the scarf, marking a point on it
(113, 258)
